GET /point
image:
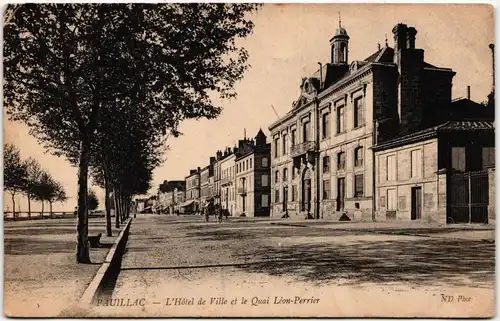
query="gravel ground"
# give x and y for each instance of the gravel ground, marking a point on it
(41, 276)
(325, 272)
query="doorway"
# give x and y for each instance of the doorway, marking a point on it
(340, 193)
(306, 191)
(416, 203)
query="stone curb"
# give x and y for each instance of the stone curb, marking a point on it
(111, 260)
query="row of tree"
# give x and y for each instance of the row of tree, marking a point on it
(106, 84)
(27, 177)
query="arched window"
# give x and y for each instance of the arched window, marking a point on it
(285, 174)
(343, 52)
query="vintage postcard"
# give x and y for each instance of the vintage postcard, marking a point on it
(249, 160)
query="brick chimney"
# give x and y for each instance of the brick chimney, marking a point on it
(410, 62)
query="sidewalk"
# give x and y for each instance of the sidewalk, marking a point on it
(41, 276)
(410, 228)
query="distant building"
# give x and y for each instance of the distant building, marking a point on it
(227, 186)
(192, 195)
(179, 199)
(205, 187)
(165, 194)
(253, 183)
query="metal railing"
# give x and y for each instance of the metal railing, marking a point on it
(303, 148)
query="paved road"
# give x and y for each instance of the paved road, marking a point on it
(298, 271)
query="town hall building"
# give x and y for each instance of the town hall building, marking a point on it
(322, 158)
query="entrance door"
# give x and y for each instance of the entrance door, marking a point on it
(416, 203)
(285, 199)
(306, 195)
(341, 193)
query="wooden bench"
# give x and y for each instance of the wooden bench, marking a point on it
(94, 240)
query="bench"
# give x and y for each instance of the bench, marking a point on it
(94, 240)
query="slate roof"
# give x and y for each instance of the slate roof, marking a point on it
(449, 126)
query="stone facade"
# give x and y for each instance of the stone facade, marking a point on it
(253, 179)
(419, 175)
(322, 159)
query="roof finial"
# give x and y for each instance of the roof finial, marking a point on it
(340, 21)
(386, 39)
(378, 44)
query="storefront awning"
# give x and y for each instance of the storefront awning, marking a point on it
(187, 203)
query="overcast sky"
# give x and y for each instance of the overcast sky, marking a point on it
(288, 42)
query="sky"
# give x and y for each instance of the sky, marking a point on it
(287, 43)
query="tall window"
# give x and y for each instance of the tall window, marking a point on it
(265, 181)
(416, 163)
(488, 156)
(391, 199)
(285, 174)
(251, 162)
(341, 160)
(264, 162)
(391, 167)
(305, 132)
(358, 185)
(284, 144)
(276, 176)
(326, 189)
(294, 192)
(358, 156)
(325, 126)
(340, 119)
(294, 133)
(326, 164)
(458, 158)
(276, 147)
(358, 112)
(276, 195)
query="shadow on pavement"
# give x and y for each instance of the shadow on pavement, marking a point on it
(426, 262)
(421, 262)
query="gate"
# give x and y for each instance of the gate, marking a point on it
(467, 197)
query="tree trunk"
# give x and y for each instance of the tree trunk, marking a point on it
(127, 207)
(108, 207)
(13, 206)
(42, 209)
(82, 250)
(29, 207)
(50, 208)
(117, 216)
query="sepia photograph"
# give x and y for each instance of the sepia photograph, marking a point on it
(242, 160)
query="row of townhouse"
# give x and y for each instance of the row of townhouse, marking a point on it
(237, 179)
(382, 139)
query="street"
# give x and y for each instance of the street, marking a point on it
(182, 266)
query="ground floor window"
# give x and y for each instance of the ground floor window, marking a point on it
(358, 185)
(277, 195)
(294, 193)
(326, 189)
(391, 199)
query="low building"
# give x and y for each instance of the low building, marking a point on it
(253, 185)
(440, 174)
